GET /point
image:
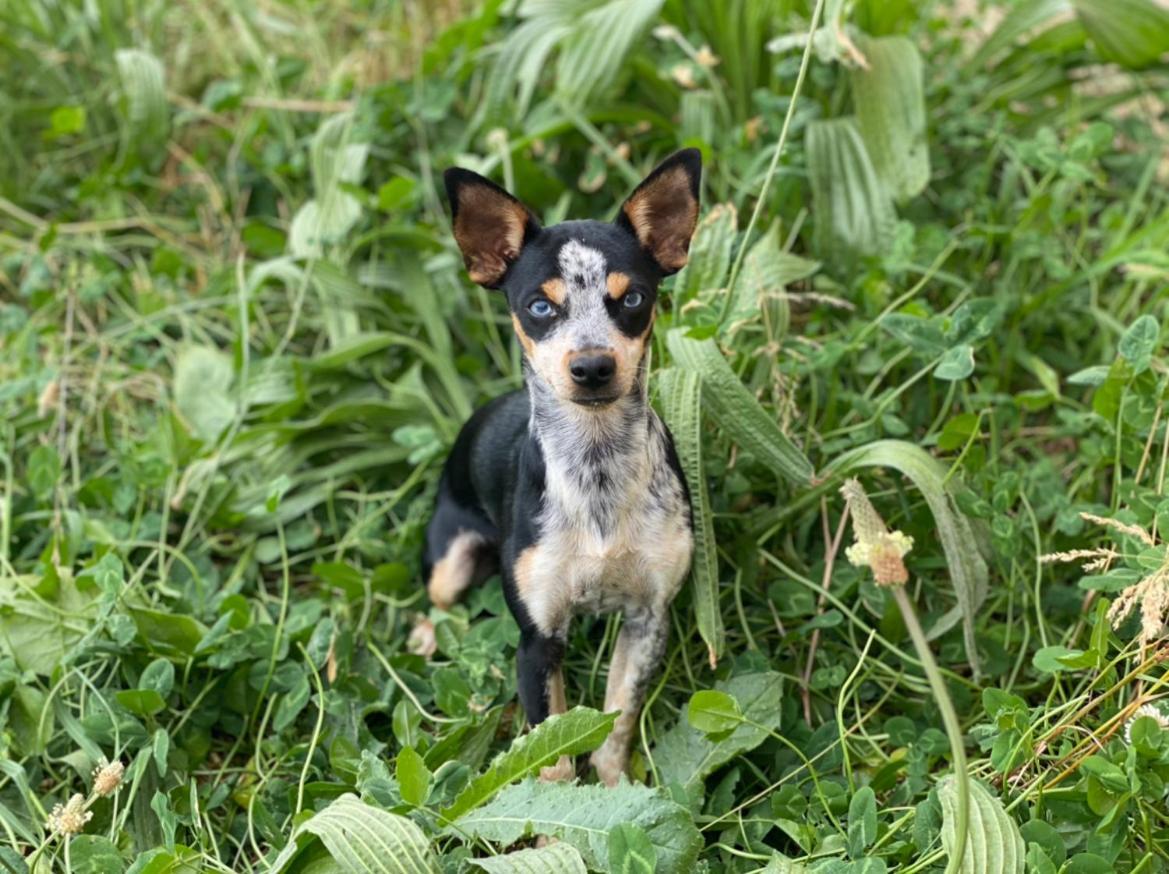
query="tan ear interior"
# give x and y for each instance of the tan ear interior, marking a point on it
(489, 228)
(663, 213)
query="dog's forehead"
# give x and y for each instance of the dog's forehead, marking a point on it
(581, 266)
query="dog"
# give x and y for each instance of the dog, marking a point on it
(572, 486)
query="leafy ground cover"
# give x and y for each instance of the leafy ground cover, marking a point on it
(237, 341)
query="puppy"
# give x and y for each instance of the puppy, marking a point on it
(572, 486)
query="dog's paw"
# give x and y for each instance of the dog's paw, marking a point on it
(610, 764)
(422, 641)
(562, 771)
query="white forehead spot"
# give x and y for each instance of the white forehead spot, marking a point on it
(581, 266)
(583, 270)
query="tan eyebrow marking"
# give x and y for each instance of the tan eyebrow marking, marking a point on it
(555, 290)
(618, 284)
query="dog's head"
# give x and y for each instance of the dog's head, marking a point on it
(581, 293)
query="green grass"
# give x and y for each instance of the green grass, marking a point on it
(236, 342)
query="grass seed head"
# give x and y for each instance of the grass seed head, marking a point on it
(874, 545)
(107, 777)
(70, 818)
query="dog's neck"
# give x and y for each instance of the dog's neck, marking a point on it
(597, 461)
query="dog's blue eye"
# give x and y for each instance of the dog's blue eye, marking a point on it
(633, 299)
(540, 308)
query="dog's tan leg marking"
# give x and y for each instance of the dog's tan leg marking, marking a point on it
(636, 656)
(564, 769)
(455, 570)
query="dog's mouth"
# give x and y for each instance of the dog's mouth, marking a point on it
(595, 402)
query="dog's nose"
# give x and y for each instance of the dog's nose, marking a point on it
(592, 371)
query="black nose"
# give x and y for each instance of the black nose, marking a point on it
(592, 371)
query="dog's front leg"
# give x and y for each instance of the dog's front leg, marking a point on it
(541, 688)
(638, 653)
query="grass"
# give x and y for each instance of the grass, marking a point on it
(236, 342)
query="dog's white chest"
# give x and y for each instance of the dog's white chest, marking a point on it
(630, 555)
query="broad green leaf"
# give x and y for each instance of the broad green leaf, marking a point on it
(292, 702)
(559, 858)
(631, 851)
(147, 114)
(413, 776)
(890, 111)
(1021, 19)
(593, 37)
(142, 702)
(853, 209)
(685, 755)
(710, 254)
(361, 837)
(759, 297)
(681, 405)
(1139, 343)
(40, 627)
(583, 816)
(336, 161)
(957, 363)
(580, 730)
(202, 383)
(600, 39)
(736, 411)
(862, 821)
(92, 854)
(960, 536)
(712, 711)
(44, 470)
(1133, 33)
(169, 633)
(159, 675)
(993, 842)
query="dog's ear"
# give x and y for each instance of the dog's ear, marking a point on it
(490, 225)
(663, 211)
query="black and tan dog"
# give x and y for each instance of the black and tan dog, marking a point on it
(572, 487)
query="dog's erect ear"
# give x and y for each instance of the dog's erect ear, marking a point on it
(663, 211)
(490, 225)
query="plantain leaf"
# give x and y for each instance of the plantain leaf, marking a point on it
(336, 161)
(361, 837)
(854, 210)
(601, 39)
(759, 291)
(202, 381)
(147, 115)
(685, 755)
(580, 730)
(593, 37)
(681, 403)
(960, 537)
(583, 817)
(890, 109)
(710, 254)
(736, 411)
(558, 858)
(1021, 19)
(993, 842)
(1133, 33)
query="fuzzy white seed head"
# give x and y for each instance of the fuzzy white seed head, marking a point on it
(70, 818)
(107, 777)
